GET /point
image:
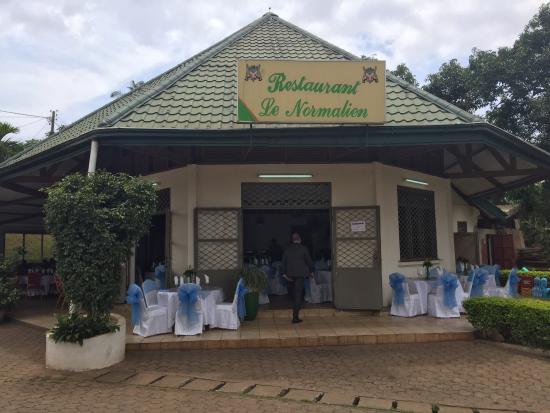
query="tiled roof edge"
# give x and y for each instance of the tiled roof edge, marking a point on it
(201, 57)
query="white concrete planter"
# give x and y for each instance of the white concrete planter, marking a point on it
(95, 353)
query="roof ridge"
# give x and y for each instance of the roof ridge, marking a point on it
(206, 54)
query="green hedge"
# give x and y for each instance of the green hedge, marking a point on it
(521, 321)
(505, 273)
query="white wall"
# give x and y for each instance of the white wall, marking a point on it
(352, 185)
(462, 211)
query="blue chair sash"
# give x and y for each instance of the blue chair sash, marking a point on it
(497, 275)
(241, 291)
(397, 282)
(188, 294)
(148, 286)
(544, 287)
(478, 281)
(513, 282)
(134, 297)
(536, 288)
(450, 284)
(160, 273)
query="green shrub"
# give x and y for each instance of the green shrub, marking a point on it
(95, 220)
(505, 273)
(75, 328)
(520, 321)
(9, 296)
(254, 278)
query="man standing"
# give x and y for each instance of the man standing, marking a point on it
(297, 267)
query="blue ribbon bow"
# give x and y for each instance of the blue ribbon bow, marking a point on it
(160, 273)
(536, 288)
(479, 279)
(397, 282)
(134, 297)
(148, 286)
(188, 295)
(513, 282)
(497, 275)
(450, 283)
(241, 291)
(543, 287)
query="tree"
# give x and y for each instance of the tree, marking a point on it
(95, 221)
(5, 129)
(131, 87)
(403, 72)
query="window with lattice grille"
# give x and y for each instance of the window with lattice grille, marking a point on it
(417, 231)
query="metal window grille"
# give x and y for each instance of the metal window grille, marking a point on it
(417, 229)
(285, 195)
(163, 200)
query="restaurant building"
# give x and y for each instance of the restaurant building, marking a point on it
(373, 193)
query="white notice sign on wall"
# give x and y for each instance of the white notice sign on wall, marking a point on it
(358, 226)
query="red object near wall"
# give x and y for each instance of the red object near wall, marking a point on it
(526, 283)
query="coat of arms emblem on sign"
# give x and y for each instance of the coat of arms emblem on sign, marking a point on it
(253, 72)
(369, 75)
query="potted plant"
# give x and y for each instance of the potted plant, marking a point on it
(95, 221)
(190, 275)
(427, 264)
(255, 280)
(9, 296)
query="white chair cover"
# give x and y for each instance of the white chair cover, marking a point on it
(185, 326)
(153, 319)
(411, 306)
(276, 284)
(320, 288)
(150, 290)
(226, 313)
(437, 308)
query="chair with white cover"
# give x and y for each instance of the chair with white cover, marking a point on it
(150, 291)
(277, 286)
(493, 279)
(263, 297)
(229, 315)
(404, 304)
(147, 320)
(478, 279)
(511, 287)
(319, 288)
(160, 275)
(444, 303)
(189, 316)
(436, 272)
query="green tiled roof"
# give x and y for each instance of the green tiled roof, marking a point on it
(200, 93)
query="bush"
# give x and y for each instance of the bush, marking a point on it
(519, 321)
(95, 221)
(254, 279)
(75, 328)
(505, 273)
(9, 296)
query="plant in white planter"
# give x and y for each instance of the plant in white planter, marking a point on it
(95, 221)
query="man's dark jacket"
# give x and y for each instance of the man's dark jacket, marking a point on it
(296, 261)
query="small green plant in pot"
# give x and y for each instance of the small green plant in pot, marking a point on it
(9, 296)
(255, 280)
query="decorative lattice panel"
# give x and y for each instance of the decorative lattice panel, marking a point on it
(357, 253)
(218, 239)
(285, 195)
(218, 255)
(218, 225)
(345, 217)
(163, 200)
(417, 229)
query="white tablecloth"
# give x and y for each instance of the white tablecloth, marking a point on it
(424, 287)
(208, 299)
(46, 281)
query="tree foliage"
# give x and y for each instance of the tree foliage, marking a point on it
(403, 72)
(95, 221)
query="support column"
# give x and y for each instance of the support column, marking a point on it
(93, 157)
(191, 205)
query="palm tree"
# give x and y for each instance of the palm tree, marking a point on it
(5, 129)
(131, 87)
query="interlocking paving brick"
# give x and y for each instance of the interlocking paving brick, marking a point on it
(116, 376)
(303, 395)
(266, 391)
(235, 387)
(202, 384)
(415, 407)
(375, 403)
(143, 379)
(338, 397)
(172, 380)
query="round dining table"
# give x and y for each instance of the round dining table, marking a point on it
(209, 297)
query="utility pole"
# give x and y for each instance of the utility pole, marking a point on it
(52, 122)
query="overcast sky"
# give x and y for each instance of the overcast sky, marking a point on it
(70, 54)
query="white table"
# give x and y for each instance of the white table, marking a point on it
(423, 287)
(207, 297)
(46, 281)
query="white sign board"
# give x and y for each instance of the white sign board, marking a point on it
(358, 226)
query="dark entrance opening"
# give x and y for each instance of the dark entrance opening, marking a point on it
(267, 232)
(152, 247)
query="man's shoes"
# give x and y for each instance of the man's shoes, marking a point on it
(296, 321)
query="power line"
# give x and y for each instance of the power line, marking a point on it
(24, 114)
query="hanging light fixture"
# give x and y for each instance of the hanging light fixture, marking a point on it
(415, 181)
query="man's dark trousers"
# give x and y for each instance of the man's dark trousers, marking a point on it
(296, 288)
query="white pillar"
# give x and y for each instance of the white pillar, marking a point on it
(93, 157)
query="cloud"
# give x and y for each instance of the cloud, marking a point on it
(69, 55)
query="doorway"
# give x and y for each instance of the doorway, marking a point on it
(151, 247)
